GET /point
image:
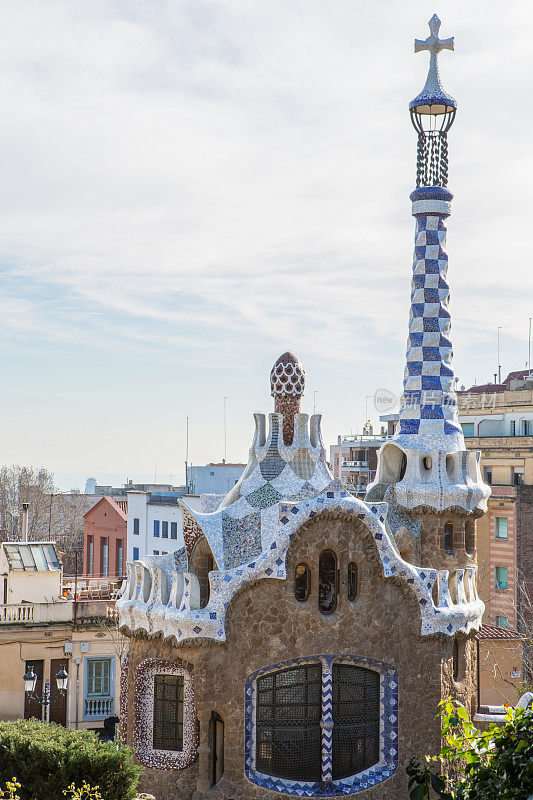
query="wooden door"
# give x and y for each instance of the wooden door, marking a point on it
(58, 709)
(31, 707)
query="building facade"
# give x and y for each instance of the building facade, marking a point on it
(217, 479)
(155, 523)
(42, 629)
(497, 420)
(354, 460)
(289, 646)
(105, 535)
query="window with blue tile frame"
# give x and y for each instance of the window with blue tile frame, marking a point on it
(135, 553)
(136, 525)
(156, 527)
(173, 530)
(327, 718)
(164, 530)
(99, 687)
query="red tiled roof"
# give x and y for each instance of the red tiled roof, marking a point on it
(493, 632)
(121, 506)
(485, 387)
(517, 375)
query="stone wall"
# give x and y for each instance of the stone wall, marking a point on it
(432, 551)
(266, 625)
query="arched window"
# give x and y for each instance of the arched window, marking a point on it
(164, 733)
(353, 581)
(201, 564)
(217, 732)
(455, 659)
(448, 538)
(302, 582)
(459, 664)
(470, 536)
(327, 582)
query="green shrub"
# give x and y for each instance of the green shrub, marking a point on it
(491, 765)
(47, 759)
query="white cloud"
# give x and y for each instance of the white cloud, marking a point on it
(223, 178)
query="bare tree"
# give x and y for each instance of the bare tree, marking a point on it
(20, 485)
(52, 516)
(109, 626)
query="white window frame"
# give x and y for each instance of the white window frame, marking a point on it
(497, 528)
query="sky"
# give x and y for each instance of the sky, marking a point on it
(191, 187)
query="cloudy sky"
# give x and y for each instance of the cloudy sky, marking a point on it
(191, 187)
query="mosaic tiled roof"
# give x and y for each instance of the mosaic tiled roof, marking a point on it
(244, 523)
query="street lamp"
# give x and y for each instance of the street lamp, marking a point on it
(62, 680)
(30, 680)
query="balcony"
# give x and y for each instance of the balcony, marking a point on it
(499, 440)
(98, 707)
(36, 613)
(371, 439)
(89, 588)
(96, 611)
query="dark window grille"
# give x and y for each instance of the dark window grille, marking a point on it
(353, 581)
(448, 537)
(355, 719)
(288, 732)
(168, 712)
(302, 582)
(327, 582)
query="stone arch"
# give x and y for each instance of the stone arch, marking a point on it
(201, 563)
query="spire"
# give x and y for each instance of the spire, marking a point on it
(428, 414)
(426, 461)
(287, 384)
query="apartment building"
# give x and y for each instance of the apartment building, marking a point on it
(354, 459)
(104, 545)
(497, 419)
(43, 629)
(155, 523)
(212, 478)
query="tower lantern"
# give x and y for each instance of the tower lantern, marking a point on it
(432, 114)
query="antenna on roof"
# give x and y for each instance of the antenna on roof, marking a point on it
(529, 348)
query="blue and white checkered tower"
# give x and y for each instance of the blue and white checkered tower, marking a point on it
(427, 461)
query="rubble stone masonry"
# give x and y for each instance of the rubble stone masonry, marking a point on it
(267, 625)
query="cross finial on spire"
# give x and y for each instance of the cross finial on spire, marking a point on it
(433, 93)
(433, 43)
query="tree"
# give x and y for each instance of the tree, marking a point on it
(20, 485)
(52, 515)
(479, 765)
